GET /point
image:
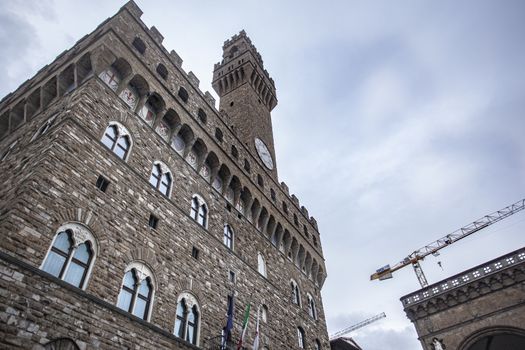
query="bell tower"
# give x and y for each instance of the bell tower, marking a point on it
(247, 95)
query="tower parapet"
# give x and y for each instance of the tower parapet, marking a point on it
(247, 93)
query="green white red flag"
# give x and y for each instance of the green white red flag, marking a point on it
(244, 326)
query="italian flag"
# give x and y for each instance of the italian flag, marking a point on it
(244, 326)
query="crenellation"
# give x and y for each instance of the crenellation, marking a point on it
(175, 58)
(209, 97)
(157, 36)
(133, 8)
(194, 80)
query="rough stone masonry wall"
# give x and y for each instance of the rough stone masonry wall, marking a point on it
(503, 308)
(62, 183)
(50, 180)
(36, 308)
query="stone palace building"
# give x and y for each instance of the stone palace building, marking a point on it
(133, 213)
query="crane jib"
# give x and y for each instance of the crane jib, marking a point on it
(385, 272)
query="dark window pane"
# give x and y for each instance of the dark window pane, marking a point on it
(111, 131)
(144, 288)
(62, 242)
(108, 142)
(123, 142)
(129, 280)
(140, 308)
(74, 274)
(124, 300)
(54, 263)
(121, 153)
(154, 180)
(83, 253)
(190, 334)
(164, 189)
(156, 170)
(179, 328)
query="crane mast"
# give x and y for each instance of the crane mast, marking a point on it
(357, 326)
(414, 258)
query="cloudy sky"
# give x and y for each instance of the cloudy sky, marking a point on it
(398, 122)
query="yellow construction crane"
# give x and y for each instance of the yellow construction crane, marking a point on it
(413, 259)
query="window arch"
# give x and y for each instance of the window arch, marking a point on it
(61, 344)
(117, 139)
(312, 311)
(317, 344)
(71, 255)
(199, 210)
(296, 295)
(139, 45)
(301, 338)
(228, 236)
(187, 319)
(264, 313)
(137, 291)
(261, 264)
(202, 116)
(183, 94)
(161, 178)
(162, 70)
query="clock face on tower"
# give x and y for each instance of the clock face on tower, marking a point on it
(264, 153)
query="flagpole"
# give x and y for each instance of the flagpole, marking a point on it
(256, 338)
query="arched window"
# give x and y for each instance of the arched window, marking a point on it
(117, 139)
(301, 338)
(296, 295)
(199, 211)
(187, 319)
(136, 294)
(234, 152)
(71, 255)
(312, 312)
(162, 70)
(317, 344)
(264, 313)
(228, 236)
(202, 116)
(61, 344)
(161, 178)
(183, 94)
(139, 45)
(261, 264)
(260, 180)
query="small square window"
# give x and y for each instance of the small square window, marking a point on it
(231, 276)
(102, 183)
(153, 221)
(195, 253)
(228, 207)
